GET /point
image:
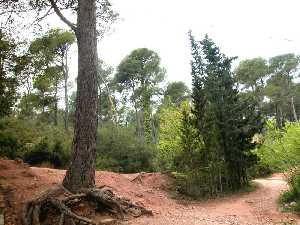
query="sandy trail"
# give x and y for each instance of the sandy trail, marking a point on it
(21, 183)
(255, 208)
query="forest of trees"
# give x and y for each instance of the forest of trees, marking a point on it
(145, 123)
(233, 124)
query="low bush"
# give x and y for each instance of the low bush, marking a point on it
(291, 198)
(261, 169)
(8, 145)
(119, 150)
(34, 141)
(60, 156)
(280, 148)
(191, 184)
(43, 152)
(40, 153)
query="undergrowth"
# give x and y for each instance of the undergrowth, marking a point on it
(290, 199)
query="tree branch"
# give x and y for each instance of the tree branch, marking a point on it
(40, 18)
(61, 16)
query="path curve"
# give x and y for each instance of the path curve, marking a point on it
(256, 208)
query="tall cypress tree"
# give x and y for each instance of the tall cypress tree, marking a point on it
(225, 122)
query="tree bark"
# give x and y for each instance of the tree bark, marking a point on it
(293, 109)
(66, 76)
(81, 172)
(278, 120)
(137, 117)
(56, 101)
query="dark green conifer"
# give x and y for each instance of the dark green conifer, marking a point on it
(225, 122)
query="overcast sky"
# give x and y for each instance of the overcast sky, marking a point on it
(243, 28)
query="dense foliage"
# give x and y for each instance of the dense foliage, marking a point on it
(8, 81)
(212, 137)
(225, 123)
(273, 83)
(36, 142)
(169, 145)
(120, 150)
(291, 198)
(280, 148)
(138, 77)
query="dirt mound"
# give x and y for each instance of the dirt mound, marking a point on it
(20, 183)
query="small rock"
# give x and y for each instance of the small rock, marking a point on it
(293, 204)
(1, 219)
(81, 205)
(107, 222)
(150, 191)
(19, 160)
(139, 195)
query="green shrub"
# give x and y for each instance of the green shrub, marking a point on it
(119, 150)
(169, 136)
(39, 154)
(8, 145)
(44, 153)
(280, 148)
(261, 169)
(59, 157)
(287, 197)
(293, 194)
(34, 141)
(192, 184)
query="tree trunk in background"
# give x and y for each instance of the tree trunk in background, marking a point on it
(81, 172)
(99, 105)
(278, 116)
(293, 109)
(43, 107)
(137, 116)
(66, 76)
(56, 102)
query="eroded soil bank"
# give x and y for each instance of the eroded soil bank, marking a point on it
(19, 183)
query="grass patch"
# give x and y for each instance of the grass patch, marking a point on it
(189, 189)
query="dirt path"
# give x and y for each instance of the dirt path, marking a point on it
(259, 207)
(255, 208)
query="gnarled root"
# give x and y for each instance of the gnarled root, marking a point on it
(103, 197)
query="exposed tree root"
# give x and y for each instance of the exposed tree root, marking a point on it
(6, 205)
(103, 197)
(139, 178)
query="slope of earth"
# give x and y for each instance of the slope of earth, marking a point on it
(20, 183)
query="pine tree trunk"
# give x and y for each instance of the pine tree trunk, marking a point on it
(81, 172)
(137, 115)
(66, 76)
(293, 109)
(99, 106)
(43, 106)
(278, 116)
(56, 102)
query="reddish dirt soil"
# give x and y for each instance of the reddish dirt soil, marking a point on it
(20, 183)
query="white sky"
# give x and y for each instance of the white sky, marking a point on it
(243, 28)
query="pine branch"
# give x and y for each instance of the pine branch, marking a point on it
(61, 16)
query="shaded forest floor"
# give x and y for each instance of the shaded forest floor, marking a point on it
(20, 183)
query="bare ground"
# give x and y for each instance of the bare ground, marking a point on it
(20, 183)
